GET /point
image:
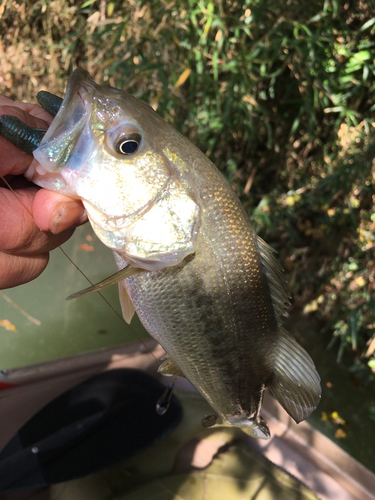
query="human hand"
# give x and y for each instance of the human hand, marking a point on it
(33, 221)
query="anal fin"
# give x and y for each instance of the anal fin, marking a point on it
(295, 383)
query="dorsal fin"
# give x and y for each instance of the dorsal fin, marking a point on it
(295, 382)
(279, 292)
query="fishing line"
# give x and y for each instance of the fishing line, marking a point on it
(83, 274)
(110, 305)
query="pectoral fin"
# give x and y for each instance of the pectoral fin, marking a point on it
(295, 383)
(127, 307)
(115, 278)
(169, 368)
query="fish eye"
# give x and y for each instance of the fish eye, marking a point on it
(128, 144)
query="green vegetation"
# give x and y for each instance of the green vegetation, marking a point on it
(280, 95)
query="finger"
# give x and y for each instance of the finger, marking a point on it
(6, 101)
(56, 212)
(16, 270)
(12, 161)
(29, 108)
(19, 234)
(32, 115)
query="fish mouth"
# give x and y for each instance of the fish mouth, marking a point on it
(54, 167)
(59, 161)
(62, 158)
(75, 106)
(77, 79)
(78, 98)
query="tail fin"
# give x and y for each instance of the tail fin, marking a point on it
(295, 383)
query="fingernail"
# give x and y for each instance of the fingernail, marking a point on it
(58, 219)
(66, 215)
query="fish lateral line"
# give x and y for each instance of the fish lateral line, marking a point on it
(124, 273)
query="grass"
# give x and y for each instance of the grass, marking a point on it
(280, 95)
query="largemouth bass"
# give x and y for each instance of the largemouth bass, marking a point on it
(207, 287)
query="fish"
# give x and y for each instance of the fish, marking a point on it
(202, 282)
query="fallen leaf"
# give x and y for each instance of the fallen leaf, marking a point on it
(371, 347)
(290, 201)
(340, 433)
(182, 78)
(218, 35)
(360, 281)
(311, 307)
(86, 247)
(249, 99)
(337, 419)
(8, 325)
(333, 417)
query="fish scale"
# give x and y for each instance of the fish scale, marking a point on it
(239, 311)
